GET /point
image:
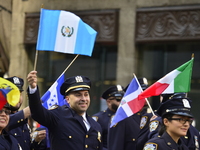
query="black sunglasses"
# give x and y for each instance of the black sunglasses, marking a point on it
(183, 121)
(7, 112)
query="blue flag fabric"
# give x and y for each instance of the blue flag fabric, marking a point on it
(63, 31)
(53, 96)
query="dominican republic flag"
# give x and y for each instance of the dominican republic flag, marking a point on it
(176, 81)
(63, 31)
(53, 96)
(129, 104)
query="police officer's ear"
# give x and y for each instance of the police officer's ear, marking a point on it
(166, 122)
(67, 98)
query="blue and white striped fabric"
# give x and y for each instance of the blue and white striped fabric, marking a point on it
(63, 31)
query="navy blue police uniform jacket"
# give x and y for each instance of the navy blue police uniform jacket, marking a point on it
(8, 142)
(164, 142)
(144, 131)
(103, 118)
(18, 127)
(123, 135)
(66, 128)
(191, 140)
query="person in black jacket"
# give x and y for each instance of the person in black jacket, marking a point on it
(113, 96)
(69, 127)
(7, 141)
(176, 120)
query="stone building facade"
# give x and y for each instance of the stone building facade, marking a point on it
(148, 38)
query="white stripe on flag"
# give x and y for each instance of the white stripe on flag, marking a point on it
(66, 44)
(133, 95)
(127, 109)
(169, 77)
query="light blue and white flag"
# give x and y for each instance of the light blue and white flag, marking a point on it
(53, 96)
(63, 31)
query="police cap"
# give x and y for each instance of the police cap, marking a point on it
(114, 91)
(173, 95)
(19, 82)
(176, 106)
(75, 83)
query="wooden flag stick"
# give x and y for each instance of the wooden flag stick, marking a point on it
(69, 65)
(35, 63)
(145, 98)
(36, 53)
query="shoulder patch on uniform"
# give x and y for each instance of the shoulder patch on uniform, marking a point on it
(150, 146)
(143, 121)
(153, 125)
(95, 118)
(53, 107)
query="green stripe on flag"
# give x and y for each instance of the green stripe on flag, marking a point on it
(183, 80)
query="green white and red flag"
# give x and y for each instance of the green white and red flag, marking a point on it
(176, 81)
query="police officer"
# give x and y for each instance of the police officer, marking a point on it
(18, 124)
(176, 118)
(191, 140)
(69, 127)
(123, 135)
(113, 96)
(7, 141)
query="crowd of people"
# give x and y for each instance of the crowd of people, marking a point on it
(71, 127)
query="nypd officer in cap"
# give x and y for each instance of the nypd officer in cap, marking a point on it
(69, 127)
(176, 120)
(18, 126)
(113, 96)
(191, 140)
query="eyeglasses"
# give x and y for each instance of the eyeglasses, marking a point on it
(183, 121)
(7, 112)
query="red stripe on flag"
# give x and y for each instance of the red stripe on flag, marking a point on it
(136, 105)
(2, 100)
(154, 90)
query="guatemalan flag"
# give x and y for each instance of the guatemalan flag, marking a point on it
(129, 104)
(63, 31)
(53, 96)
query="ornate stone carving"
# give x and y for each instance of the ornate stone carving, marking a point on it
(31, 28)
(105, 23)
(171, 24)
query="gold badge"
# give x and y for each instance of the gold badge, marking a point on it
(99, 137)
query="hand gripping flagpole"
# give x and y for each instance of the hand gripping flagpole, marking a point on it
(145, 98)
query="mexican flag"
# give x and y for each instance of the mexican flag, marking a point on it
(176, 81)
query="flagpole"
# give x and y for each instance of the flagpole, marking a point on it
(36, 53)
(35, 63)
(69, 65)
(145, 98)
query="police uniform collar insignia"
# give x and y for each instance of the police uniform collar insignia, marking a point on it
(153, 125)
(79, 79)
(150, 146)
(143, 121)
(95, 118)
